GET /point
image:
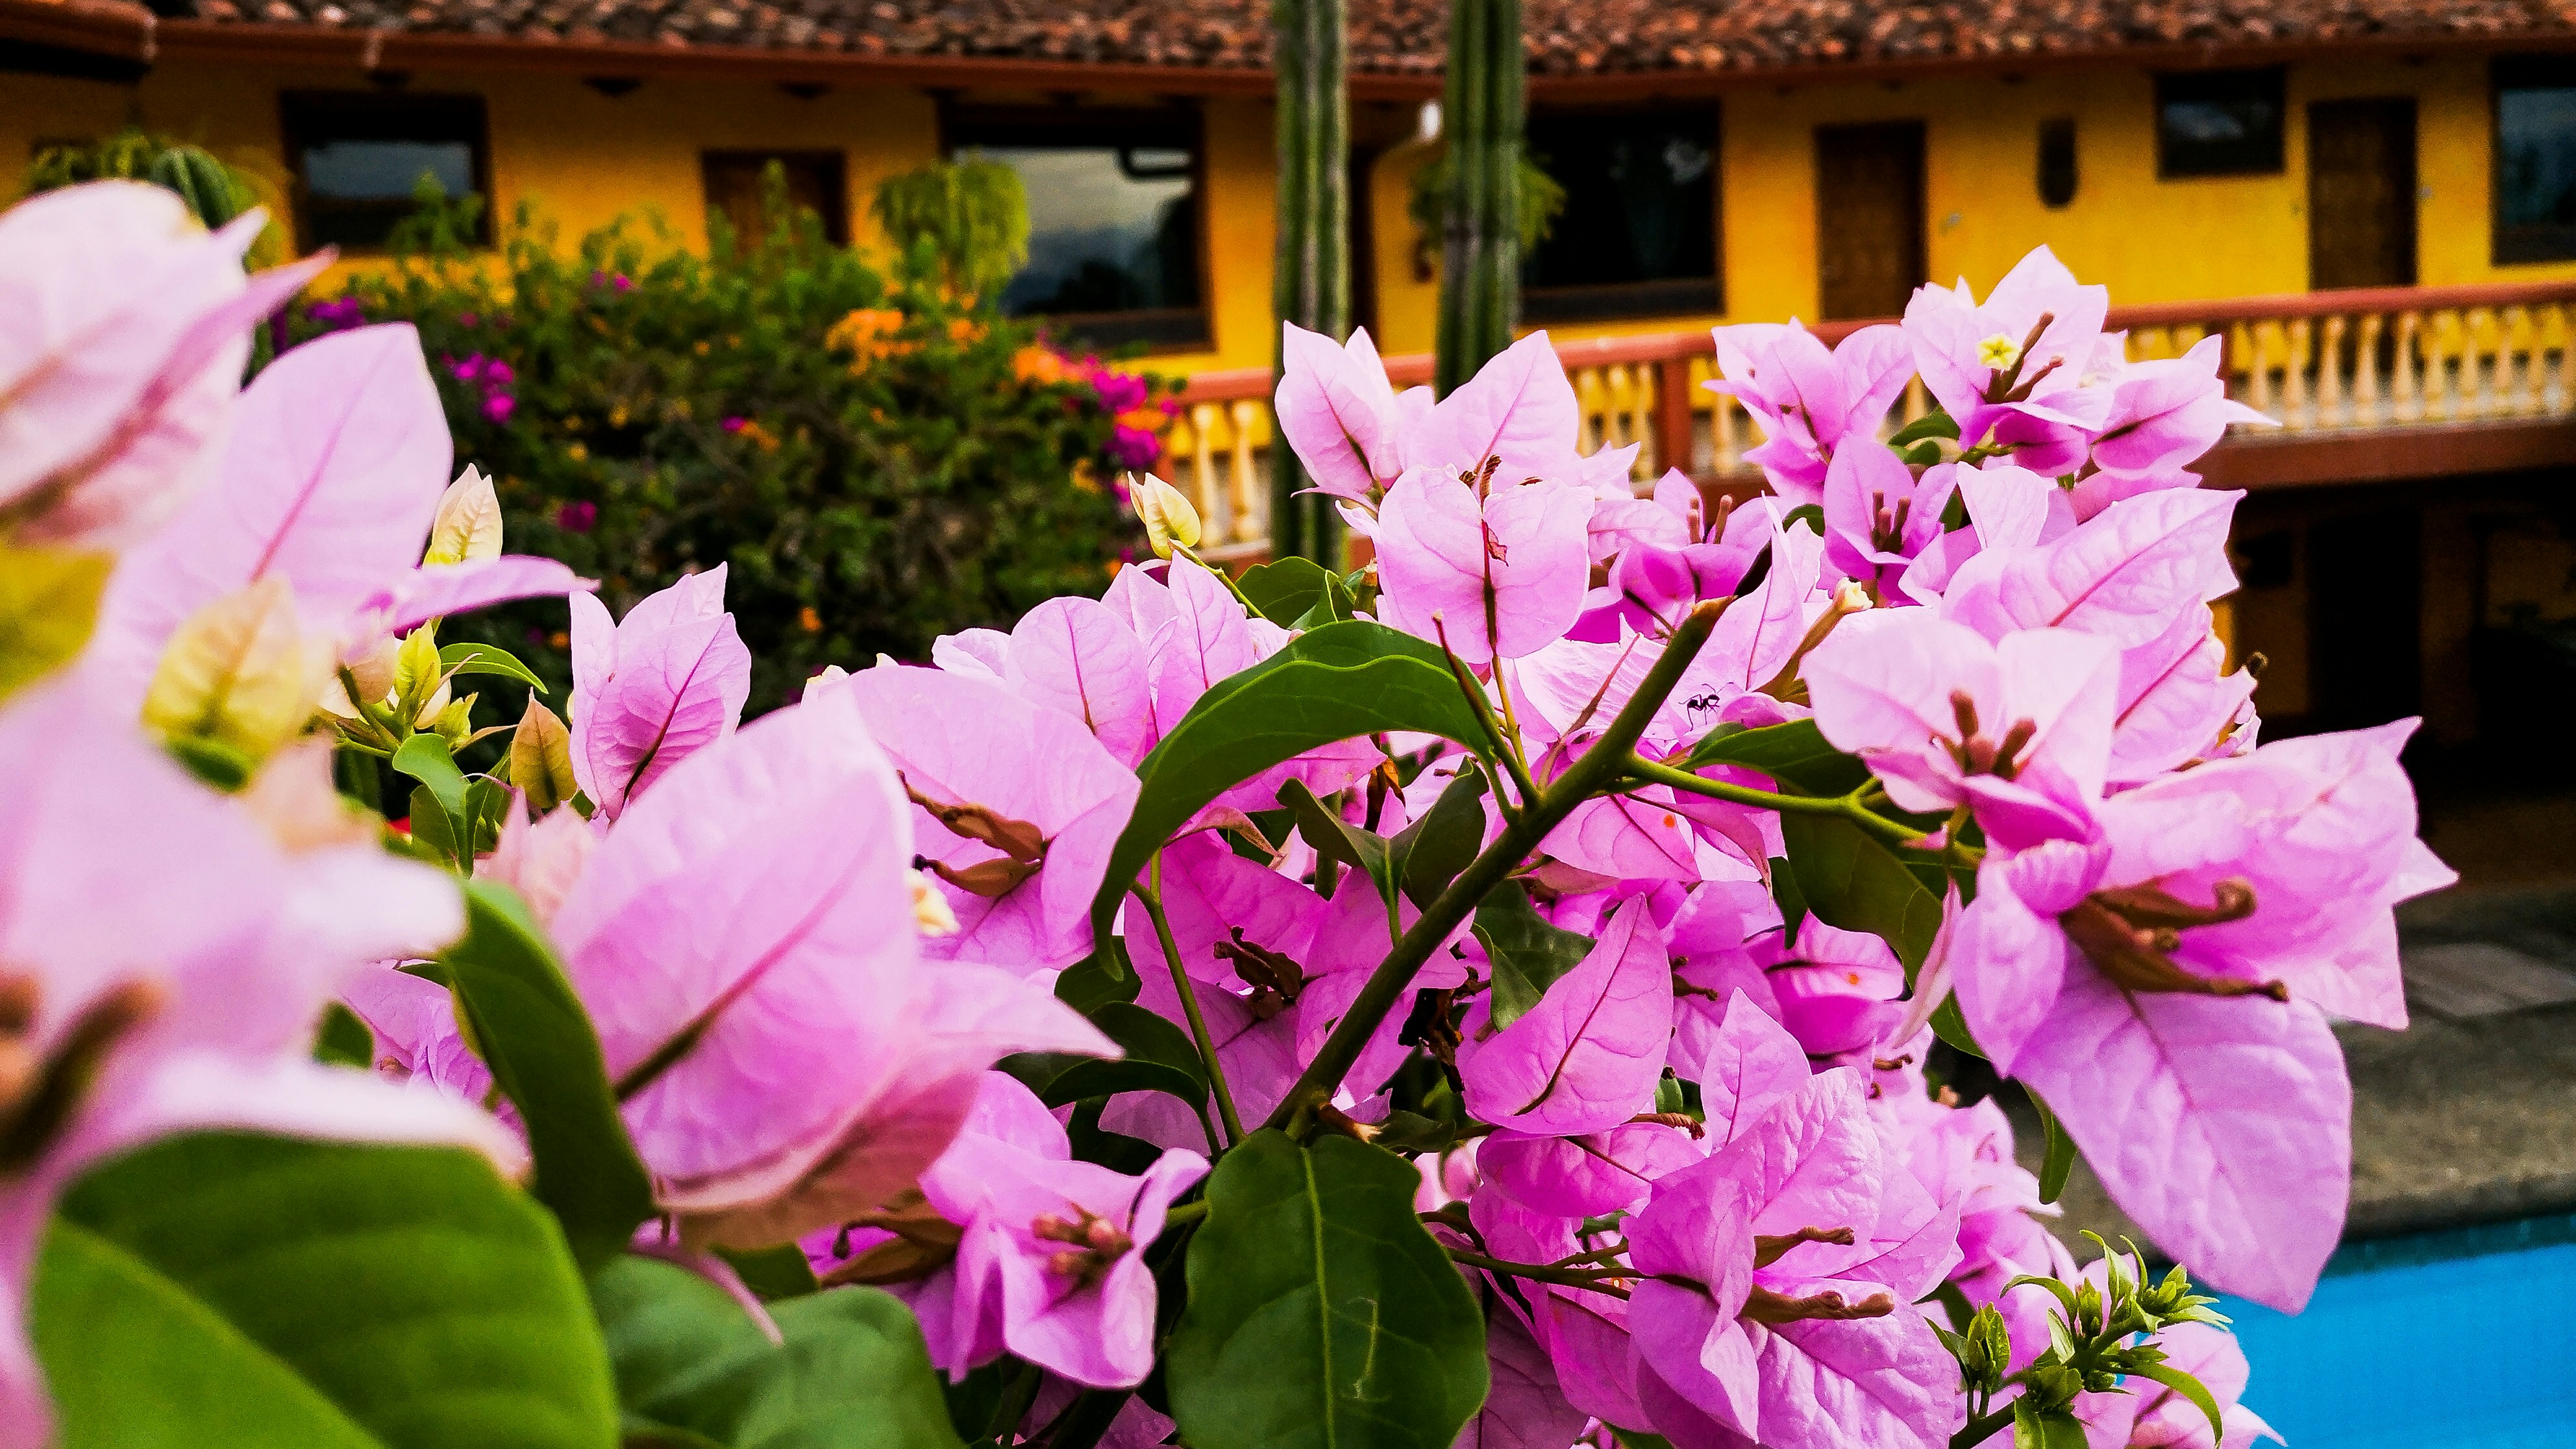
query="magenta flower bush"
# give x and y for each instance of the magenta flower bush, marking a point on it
(1516, 994)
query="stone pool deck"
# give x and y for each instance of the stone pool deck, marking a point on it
(2469, 1115)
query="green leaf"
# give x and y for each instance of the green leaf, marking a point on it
(1528, 952)
(1921, 455)
(1795, 754)
(1404, 1131)
(1793, 905)
(1114, 1150)
(1810, 514)
(212, 761)
(472, 658)
(343, 1040)
(1934, 424)
(48, 605)
(1097, 979)
(2037, 1428)
(2190, 1388)
(1160, 1058)
(425, 758)
(1429, 853)
(2060, 1157)
(1334, 838)
(1335, 683)
(1321, 1314)
(433, 832)
(530, 1028)
(772, 1273)
(487, 806)
(1952, 1027)
(229, 1291)
(1853, 882)
(693, 1369)
(1285, 590)
(1334, 606)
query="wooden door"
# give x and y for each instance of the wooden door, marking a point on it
(2361, 193)
(1869, 218)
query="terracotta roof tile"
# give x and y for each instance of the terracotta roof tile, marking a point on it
(1405, 37)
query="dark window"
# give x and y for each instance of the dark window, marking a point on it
(2057, 161)
(1114, 220)
(1638, 236)
(2219, 123)
(360, 158)
(817, 181)
(2535, 160)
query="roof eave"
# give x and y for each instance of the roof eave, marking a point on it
(2184, 55)
(398, 50)
(110, 28)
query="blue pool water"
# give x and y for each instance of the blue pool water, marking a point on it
(2457, 1340)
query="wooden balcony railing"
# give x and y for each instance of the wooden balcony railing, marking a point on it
(2339, 365)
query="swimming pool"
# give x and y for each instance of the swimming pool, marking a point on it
(2455, 1340)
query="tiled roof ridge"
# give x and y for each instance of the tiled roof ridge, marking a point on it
(1405, 37)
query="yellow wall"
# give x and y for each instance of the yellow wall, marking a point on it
(2150, 240)
(586, 157)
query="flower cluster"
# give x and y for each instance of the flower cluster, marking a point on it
(1617, 861)
(493, 377)
(1136, 438)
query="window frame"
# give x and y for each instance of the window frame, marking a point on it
(307, 118)
(835, 215)
(1161, 330)
(1662, 297)
(2275, 163)
(2527, 243)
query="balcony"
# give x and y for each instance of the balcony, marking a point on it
(2368, 386)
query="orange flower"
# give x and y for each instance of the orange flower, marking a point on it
(869, 333)
(809, 621)
(1146, 420)
(1037, 364)
(965, 330)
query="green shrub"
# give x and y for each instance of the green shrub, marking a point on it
(974, 215)
(215, 189)
(879, 462)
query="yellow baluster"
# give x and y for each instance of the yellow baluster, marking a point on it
(2406, 388)
(2441, 333)
(2332, 393)
(2259, 367)
(1201, 487)
(1587, 406)
(2365, 372)
(1243, 491)
(2298, 400)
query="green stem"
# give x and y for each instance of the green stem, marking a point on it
(1484, 712)
(1185, 1212)
(1182, 550)
(1981, 1428)
(1537, 1272)
(1599, 768)
(1848, 807)
(1190, 1004)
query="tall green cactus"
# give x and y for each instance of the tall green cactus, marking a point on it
(1311, 283)
(1480, 251)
